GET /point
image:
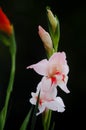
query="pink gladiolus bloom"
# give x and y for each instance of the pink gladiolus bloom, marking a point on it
(48, 97)
(54, 69)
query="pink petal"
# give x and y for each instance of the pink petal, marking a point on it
(58, 57)
(63, 86)
(60, 101)
(44, 84)
(56, 105)
(58, 63)
(40, 67)
(45, 37)
(41, 109)
(65, 69)
(48, 91)
(61, 106)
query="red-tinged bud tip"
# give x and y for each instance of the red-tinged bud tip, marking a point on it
(5, 25)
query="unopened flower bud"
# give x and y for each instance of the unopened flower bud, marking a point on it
(46, 39)
(53, 20)
(5, 25)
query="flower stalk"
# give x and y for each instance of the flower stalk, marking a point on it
(7, 37)
(46, 119)
(54, 70)
(54, 30)
(12, 49)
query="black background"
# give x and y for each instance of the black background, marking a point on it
(26, 16)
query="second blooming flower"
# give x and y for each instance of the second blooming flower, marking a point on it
(48, 97)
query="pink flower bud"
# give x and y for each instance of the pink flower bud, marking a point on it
(46, 39)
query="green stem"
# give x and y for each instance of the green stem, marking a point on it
(3, 113)
(46, 118)
(49, 119)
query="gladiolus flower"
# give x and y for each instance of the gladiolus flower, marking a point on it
(48, 98)
(5, 25)
(54, 69)
(46, 39)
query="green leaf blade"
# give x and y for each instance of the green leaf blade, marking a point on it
(34, 117)
(26, 120)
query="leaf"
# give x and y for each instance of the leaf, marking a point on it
(26, 120)
(52, 128)
(34, 113)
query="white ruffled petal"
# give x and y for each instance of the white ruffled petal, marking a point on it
(63, 86)
(33, 101)
(61, 106)
(56, 105)
(41, 109)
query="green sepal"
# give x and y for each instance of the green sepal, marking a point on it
(9, 41)
(55, 35)
(49, 54)
(5, 39)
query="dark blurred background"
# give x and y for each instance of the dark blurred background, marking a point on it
(26, 15)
